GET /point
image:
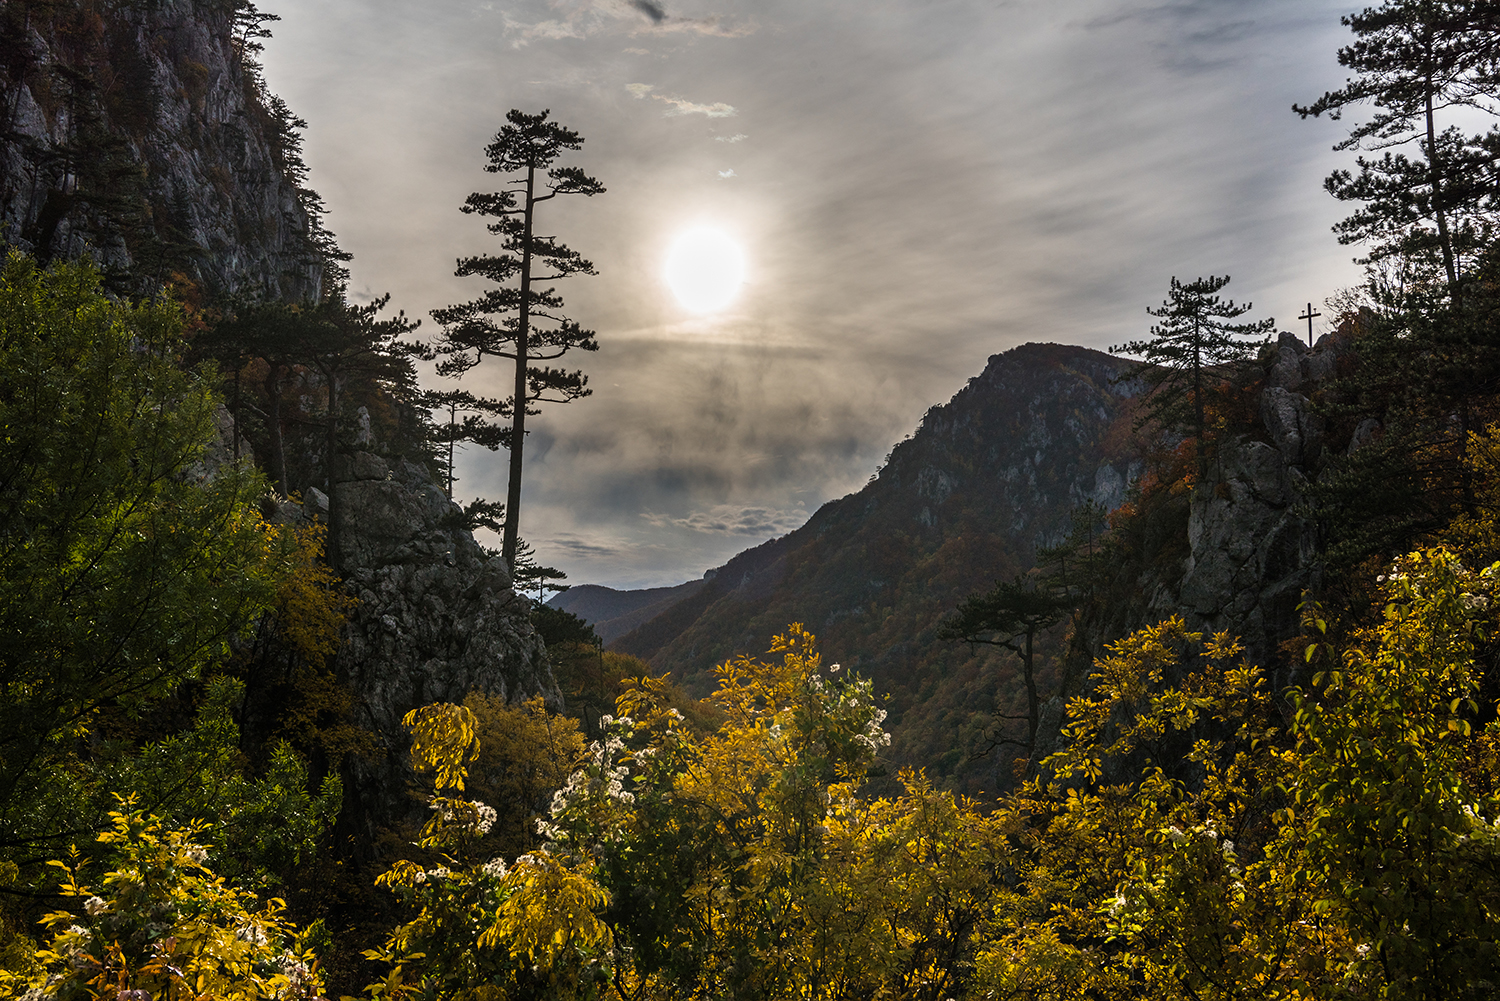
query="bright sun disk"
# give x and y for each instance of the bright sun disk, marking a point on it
(705, 269)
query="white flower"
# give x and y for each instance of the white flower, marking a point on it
(484, 817)
(197, 855)
(833, 669)
(495, 868)
(95, 906)
(1175, 835)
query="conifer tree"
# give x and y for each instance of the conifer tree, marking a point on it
(1416, 60)
(1188, 350)
(1010, 615)
(471, 427)
(522, 322)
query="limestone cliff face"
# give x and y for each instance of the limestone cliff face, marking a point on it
(1252, 555)
(139, 133)
(437, 619)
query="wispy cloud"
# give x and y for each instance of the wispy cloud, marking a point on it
(731, 519)
(580, 546)
(682, 106)
(639, 90)
(716, 27)
(737, 137)
(725, 175)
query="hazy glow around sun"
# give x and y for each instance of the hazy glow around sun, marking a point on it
(705, 269)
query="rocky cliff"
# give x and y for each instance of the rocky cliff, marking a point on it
(436, 619)
(140, 133)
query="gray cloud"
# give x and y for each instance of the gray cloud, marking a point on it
(730, 519)
(930, 184)
(651, 10)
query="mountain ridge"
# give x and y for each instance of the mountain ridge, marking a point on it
(962, 502)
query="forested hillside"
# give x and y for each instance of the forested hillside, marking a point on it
(962, 503)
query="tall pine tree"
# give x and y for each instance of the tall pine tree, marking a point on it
(521, 319)
(1418, 62)
(1188, 352)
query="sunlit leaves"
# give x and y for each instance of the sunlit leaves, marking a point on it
(443, 740)
(164, 925)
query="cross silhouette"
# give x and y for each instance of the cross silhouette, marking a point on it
(1308, 316)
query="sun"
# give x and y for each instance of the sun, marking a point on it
(705, 269)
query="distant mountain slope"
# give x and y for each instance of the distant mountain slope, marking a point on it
(613, 613)
(963, 502)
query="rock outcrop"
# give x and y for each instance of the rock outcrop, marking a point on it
(140, 133)
(1252, 554)
(436, 619)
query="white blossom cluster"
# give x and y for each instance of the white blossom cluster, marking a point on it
(250, 930)
(479, 818)
(301, 982)
(601, 777)
(873, 737)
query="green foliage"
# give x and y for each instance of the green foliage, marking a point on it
(262, 828)
(1185, 845)
(1406, 845)
(558, 628)
(126, 566)
(164, 925)
(486, 929)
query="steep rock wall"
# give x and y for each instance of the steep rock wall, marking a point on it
(1251, 552)
(437, 619)
(140, 133)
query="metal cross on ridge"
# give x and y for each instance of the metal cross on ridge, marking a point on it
(1308, 316)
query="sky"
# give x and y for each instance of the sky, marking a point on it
(915, 186)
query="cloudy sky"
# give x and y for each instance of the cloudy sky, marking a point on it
(915, 184)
